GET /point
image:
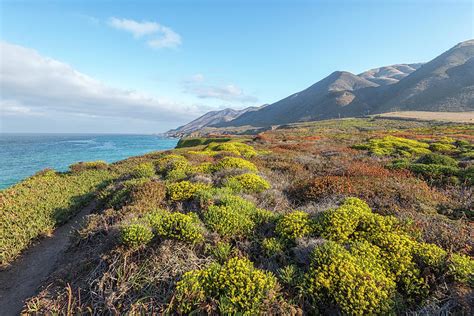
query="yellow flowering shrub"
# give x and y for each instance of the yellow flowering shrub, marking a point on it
(236, 148)
(461, 267)
(136, 235)
(183, 190)
(273, 246)
(350, 282)
(395, 146)
(294, 225)
(235, 163)
(88, 165)
(143, 170)
(248, 183)
(236, 286)
(228, 221)
(184, 227)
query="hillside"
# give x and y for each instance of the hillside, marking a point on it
(444, 84)
(211, 118)
(351, 216)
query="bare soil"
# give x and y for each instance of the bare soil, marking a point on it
(456, 117)
(23, 277)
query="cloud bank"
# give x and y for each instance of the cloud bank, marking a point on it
(159, 36)
(196, 85)
(34, 85)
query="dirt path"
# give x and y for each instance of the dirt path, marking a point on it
(23, 278)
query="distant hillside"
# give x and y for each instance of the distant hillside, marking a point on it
(445, 84)
(389, 74)
(209, 119)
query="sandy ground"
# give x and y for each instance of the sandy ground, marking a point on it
(23, 278)
(461, 117)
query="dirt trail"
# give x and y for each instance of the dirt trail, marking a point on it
(23, 278)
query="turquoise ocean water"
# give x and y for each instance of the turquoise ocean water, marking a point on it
(22, 155)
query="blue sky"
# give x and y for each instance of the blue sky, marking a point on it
(147, 66)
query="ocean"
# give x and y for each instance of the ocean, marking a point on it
(22, 155)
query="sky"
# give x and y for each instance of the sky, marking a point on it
(148, 66)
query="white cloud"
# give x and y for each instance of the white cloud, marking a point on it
(159, 36)
(195, 85)
(32, 84)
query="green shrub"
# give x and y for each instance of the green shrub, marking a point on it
(235, 163)
(205, 167)
(461, 267)
(350, 282)
(88, 165)
(197, 141)
(248, 183)
(433, 171)
(395, 146)
(437, 159)
(228, 221)
(143, 170)
(136, 235)
(221, 251)
(429, 255)
(184, 190)
(294, 225)
(236, 287)
(37, 205)
(273, 246)
(183, 227)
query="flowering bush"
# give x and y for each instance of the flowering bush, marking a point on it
(273, 246)
(395, 146)
(352, 283)
(461, 267)
(184, 227)
(184, 190)
(173, 167)
(294, 225)
(136, 235)
(228, 221)
(235, 163)
(143, 170)
(248, 183)
(237, 287)
(236, 148)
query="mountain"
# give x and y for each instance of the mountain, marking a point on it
(444, 84)
(209, 119)
(389, 74)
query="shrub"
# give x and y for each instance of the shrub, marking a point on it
(143, 170)
(430, 255)
(437, 159)
(205, 167)
(184, 190)
(88, 165)
(442, 147)
(394, 146)
(37, 205)
(228, 221)
(294, 225)
(351, 283)
(236, 286)
(273, 246)
(433, 171)
(173, 167)
(136, 235)
(196, 141)
(461, 267)
(147, 195)
(221, 251)
(248, 183)
(236, 148)
(183, 227)
(235, 163)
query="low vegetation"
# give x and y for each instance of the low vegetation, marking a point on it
(343, 217)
